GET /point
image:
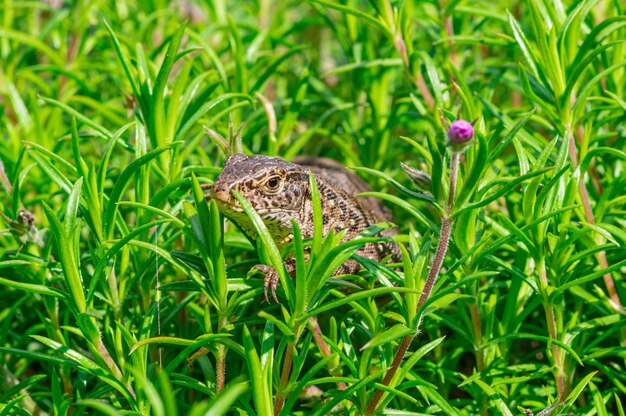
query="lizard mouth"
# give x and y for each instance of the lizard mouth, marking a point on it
(222, 197)
(227, 202)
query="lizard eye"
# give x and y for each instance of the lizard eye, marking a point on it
(272, 183)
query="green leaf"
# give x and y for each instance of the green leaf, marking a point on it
(419, 215)
(431, 71)
(222, 403)
(123, 60)
(110, 254)
(479, 165)
(588, 278)
(318, 223)
(33, 288)
(301, 293)
(502, 191)
(580, 64)
(122, 183)
(440, 401)
(571, 398)
(158, 93)
(269, 244)
(100, 406)
(66, 245)
(261, 391)
(204, 109)
(72, 355)
(177, 341)
(387, 336)
(32, 41)
(598, 400)
(53, 172)
(355, 12)
(522, 42)
(500, 406)
(272, 67)
(497, 150)
(399, 186)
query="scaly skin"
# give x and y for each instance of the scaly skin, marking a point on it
(279, 192)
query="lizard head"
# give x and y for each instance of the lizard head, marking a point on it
(275, 188)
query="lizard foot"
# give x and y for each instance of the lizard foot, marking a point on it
(270, 281)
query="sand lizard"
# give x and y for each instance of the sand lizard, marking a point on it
(279, 192)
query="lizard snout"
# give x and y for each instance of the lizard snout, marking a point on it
(221, 193)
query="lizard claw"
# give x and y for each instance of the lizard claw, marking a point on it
(270, 281)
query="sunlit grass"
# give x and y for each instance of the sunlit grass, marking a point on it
(122, 290)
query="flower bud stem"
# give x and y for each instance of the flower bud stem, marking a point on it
(435, 268)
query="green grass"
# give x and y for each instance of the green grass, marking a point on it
(129, 294)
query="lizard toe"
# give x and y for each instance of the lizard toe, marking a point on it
(270, 282)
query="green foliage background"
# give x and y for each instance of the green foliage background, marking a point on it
(120, 292)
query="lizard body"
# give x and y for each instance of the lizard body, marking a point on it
(280, 192)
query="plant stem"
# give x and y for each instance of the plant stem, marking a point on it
(416, 79)
(478, 336)
(220, 368)
(110, 362)
(552, 331)
(442, 248)
(402, 349)
(454, 172)
(8, 380)
(600, 256)
(479, 348)
(284, 377)
(323, 346)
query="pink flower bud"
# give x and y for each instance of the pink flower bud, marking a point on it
(460, 132)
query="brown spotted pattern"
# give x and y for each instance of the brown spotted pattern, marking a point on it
(279, 191)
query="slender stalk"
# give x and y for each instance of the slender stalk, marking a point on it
(479, 348)
(442, 248)
(115, 297)
(402, 349)
(284, 378)
(454, 172)
(220, 354)
(286, 371)
(4, 179)
(8, 380)
(115, 370)
(416, 79)
(220, 367)
(600, 256)
(478, 337)
(552, 331)
(449, 30)
(323, 346)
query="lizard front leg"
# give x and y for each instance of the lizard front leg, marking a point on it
(271, 279)
(270, 282)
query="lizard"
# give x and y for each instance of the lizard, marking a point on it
(280, 192)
